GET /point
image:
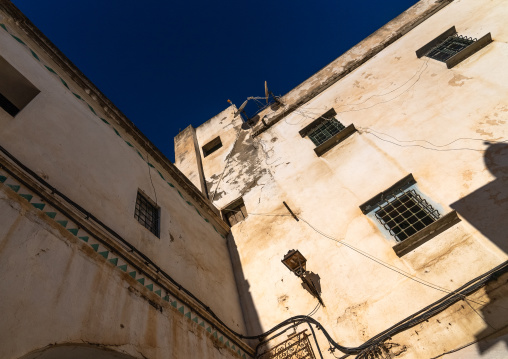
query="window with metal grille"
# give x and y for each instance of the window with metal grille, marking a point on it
(235, 212)
(450, 47)
(325, 131)
(147, 213)
(404, 213)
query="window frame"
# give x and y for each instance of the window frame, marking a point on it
(156, 229)
(423, 235)
(460, 56)
(16, 91)
(331, 142)
(233, 210)
(211, 146)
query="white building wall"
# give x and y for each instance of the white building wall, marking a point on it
(413, 116)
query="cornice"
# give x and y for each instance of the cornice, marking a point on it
(72, 71)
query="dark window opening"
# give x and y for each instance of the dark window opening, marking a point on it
(325, 131)
(212, 146)
(15, 90)
(235, 212)
(405, 213)
(147, 213)
(450, 47)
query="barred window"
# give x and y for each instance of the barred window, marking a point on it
(449, 47)
(147, 213)
(405, 213)
(325, 131)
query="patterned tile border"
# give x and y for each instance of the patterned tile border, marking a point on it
(115, 259)
(108, 123)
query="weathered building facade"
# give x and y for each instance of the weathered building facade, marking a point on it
(380, 182)
(106, 249)
(393, 161)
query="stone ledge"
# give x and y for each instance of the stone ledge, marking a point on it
(335, 140)
(468, 51)
(426, 234)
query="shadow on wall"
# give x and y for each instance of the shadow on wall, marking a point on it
(75, 351)
(250, 314)
(487, 210)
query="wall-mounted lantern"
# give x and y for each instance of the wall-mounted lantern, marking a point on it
(296, 263)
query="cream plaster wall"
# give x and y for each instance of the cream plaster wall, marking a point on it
(57, 294)
(398, 102)
(59, 137)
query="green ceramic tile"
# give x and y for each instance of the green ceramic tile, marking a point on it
(181, 310)
(104, 254)
(14, 187)
(133, 274)
(65, 83)
(95, 247)
(51, 214)
(113, 261)
(84, 239)
(150, 287)
(28, 197)
(2, 179)
(2, 25)
(103, 120)
(91, 109)
(39, 205)
(166, 298)
(50, 69)
(62, 222)
(123, 267)
(77, 96)
(158, 292)
(74, 231)
(141, 280)
(18, 40)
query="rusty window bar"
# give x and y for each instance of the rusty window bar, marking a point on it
(325, 131)
(405, 213)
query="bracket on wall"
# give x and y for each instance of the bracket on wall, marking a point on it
(296, 263)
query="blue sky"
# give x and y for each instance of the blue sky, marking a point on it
(168, 64)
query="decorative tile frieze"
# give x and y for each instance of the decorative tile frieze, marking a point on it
(109, 255)
(106, 122)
